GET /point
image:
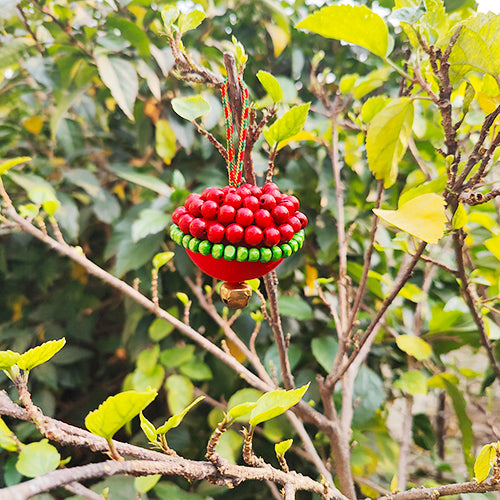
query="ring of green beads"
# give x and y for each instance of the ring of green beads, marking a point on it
(240, 254)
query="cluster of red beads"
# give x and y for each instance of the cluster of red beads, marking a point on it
(246, 215)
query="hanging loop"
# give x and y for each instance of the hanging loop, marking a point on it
(235, 162)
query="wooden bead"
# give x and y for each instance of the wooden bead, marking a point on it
(235, 295)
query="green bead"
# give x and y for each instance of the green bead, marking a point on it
(185, 240)
(286, 249)
(229, 252)
(194, 244)
(294, 244)
(241, 254)
(266, 254)
(277, 253)
(217, 251)
(253, 255)
(205, 247)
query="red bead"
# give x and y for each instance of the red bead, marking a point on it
(195, 207)
(215, 233)
(275, 193)
(233, 199)
(263, 218)
(190, 198)
(286, 232)
(269, 186)
(272, 236)
(295, 223)
(280, 214)
(294, 200)
(253, 235)
(251, 202)
(209, 209)
(228, 189)
(302, 217)
(198, 228)
(184, 223)
(216, 195)
(234, 233)
(178, 213)
(244, 216)
(256, 191)
(244, 191)
(267, 201)
(226, 214)
(289, 205)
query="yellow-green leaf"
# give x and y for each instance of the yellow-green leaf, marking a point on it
(148, 428)
(242, 409)
(459, 217)
(51, 206)
(40, 354)
(6, 165)
(8, 359)
(160, 259)
(169, 14)
(353, 24)
(493, 245)
(414, 346)
(117, 411)
(190, 108)
(175, 420)
(179, 392)
(387, 139)
(282, 447)
(290, 124)
(190, 21)
(7, 437)
(484, 462)
(279, 36)
(422, 217)
(271, 85)
(33, 124)
(274, 403)
(143, 484)
(36, 459)
(413, 382)
(165, 141)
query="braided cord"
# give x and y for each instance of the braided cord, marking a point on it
(235, 163)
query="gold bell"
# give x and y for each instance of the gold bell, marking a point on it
(235, 295)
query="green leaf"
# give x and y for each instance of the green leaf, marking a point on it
(414, 346)
(145, 483)
(196, 370)
(369, 395)
(150, 221)
(271, 85)
(6, 165)
(242, 409)
(353, 24)
(7, 437)
(159, 329)
(151, 78)
(484, 462)
(387, 139)
(36, 187)
(176, 356)
(40, 354)
(131, 32)
(117, 411)
(295, 307)
(166, 141)
(282, 447)
(169, 14)
(459, 217)
(140, 178)
(412, 382)
(448, 382)
(324, 350)
(372, 107)
(8, 359)
(290, 124)
(36, 459)
(274, 403)
(121, 79)
(423, 431)
(190, 108)
(51, 206)
(180, 392)
(190, 21)
(423, 217)
(146, 361)
(436, 186)
(160, 259)
(148, 428)
(175, 420)
(229, 446)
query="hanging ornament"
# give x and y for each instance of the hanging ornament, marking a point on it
(241, 231)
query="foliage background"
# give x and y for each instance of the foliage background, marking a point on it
(119, 169)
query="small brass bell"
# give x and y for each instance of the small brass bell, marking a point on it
(235, 295)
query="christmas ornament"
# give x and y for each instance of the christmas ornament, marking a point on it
(240, 231)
